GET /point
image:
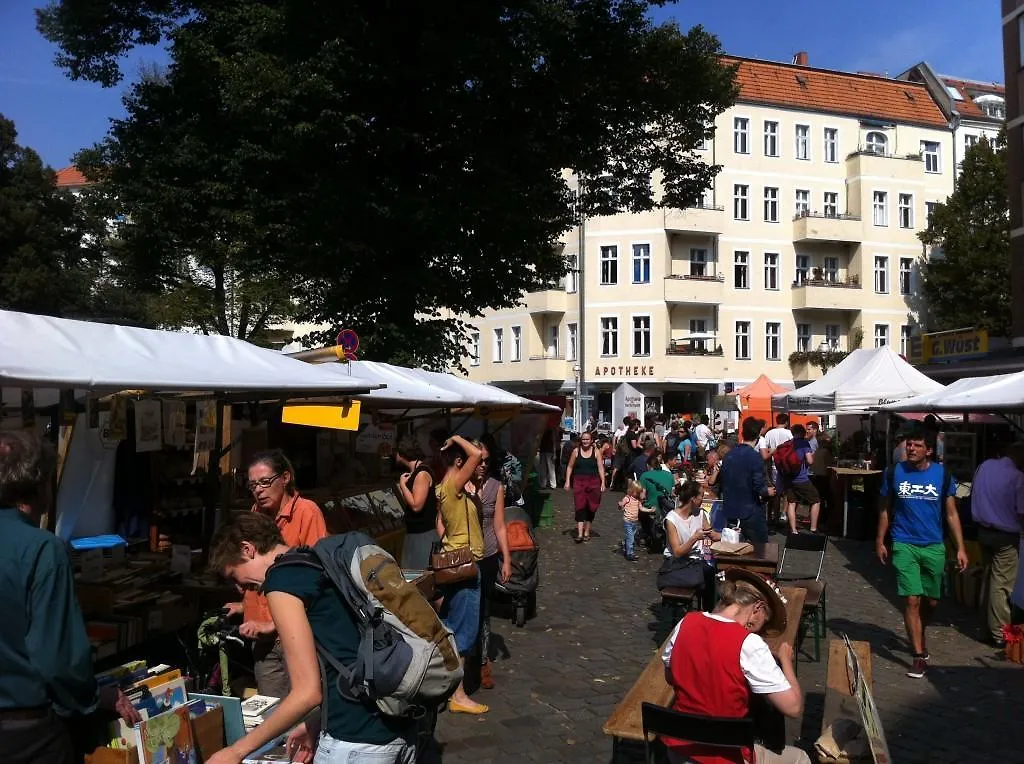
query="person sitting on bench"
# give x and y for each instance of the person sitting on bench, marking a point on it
(715, 661)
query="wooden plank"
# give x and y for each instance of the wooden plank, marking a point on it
(839, 702)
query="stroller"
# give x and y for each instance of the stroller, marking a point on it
(521, 586)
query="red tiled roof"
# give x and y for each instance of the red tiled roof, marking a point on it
(858, 95)
(970, 89)
(70, 176)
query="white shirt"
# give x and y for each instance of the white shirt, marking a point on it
(775, 437)
(756, 661)
(703, 432)
(685, 527)
(761, 443)
(619, 432)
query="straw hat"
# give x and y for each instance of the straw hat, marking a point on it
(777, 623)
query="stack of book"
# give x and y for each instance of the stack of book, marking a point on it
(256, 709)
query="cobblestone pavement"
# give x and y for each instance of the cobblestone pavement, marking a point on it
(597, 626)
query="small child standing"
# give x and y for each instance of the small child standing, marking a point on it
(630, 505)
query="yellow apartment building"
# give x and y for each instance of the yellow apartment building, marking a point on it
(807, 240)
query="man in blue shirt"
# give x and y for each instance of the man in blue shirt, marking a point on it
(799, 488)
(743, 485)
(916, 493)
(46, 668)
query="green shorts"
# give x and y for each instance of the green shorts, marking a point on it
(919, 569)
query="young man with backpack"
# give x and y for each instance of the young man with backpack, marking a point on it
(916, 495)
(314, 617)
(793, 460)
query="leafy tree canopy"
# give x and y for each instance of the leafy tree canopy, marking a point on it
(968, 286)
(385, 166)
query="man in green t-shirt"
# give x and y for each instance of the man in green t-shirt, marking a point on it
(656, 482)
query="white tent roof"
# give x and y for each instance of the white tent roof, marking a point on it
(1002, 392)
(475, 394)
(864, 379)
(405, 389)
(46, 352)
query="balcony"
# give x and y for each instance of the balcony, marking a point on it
(535, 368)
(816, 226)
(700, 369)
(702, 219)
(695, 345)
(551, 300)
(865, 162)
(825, 294)
(700, 290)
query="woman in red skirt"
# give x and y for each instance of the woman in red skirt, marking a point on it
(585, 475)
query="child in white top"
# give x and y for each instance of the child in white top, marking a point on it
(630, 504)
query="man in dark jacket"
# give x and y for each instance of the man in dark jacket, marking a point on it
(743, 484)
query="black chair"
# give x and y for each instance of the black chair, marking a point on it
(709, 730)
(814, 604)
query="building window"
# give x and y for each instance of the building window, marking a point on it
(610, 265)
(517, 343)
(803, 268)
(771, 270)
(742, 340)
(803, 142)
(831, 269)
(802, 202)
(881, 335)
(707, 198)
(642, 335)
(831, 204)
(771, 139)
(772, 341)
(906, 210)
(771, 205)
(474, 348)
(739, 202)
(880, 208)
(741, 270)
(877, 142)
(905, 339)
(932, 162)
(698, 262)
(881, 274)
(970, 141)
(906, 268)
(499, 345)
(929, 211)
(831, 144)
(803, 337)
(641, 263)
(572, 278)
(609, 336)
(552, 350)
(832, 336)
(571, 332)
(698, 326)
(741, 135)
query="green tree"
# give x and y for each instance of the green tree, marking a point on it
(968, 285)
(386, 166)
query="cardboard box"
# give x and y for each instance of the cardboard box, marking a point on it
(208, 732)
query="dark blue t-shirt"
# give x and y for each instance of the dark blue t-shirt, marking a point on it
(916, 516)
(802, 448)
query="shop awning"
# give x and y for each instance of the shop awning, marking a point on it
(477, 395)
(403, 388)
(46, 352)
(1000, 393)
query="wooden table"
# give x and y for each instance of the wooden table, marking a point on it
(844, 475)
(764, 559)
(626, 723)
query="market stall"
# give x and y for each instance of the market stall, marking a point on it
(755, 400)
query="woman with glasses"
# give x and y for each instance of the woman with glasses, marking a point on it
(271, 481)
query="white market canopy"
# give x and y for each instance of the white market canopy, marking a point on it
(477, 395)
(404, 389)
(46, 352)
(865, 379)
(1002, 392)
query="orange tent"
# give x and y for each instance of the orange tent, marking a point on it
(756, 400)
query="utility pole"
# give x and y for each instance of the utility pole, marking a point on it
(582, 400)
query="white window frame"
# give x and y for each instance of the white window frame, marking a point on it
(736, 255)
(474, 347)
(880, 208)
(830, 275)
(831, 145)
(572, 340)
(802, 141)
(881, 141)
(741, 135)
(643, 249)
(830, 207)
(641, 333)
(929, 210)
(699, 326)
(770, 339)
(881, 274)
(804, 336)
(802, 269)
(499, 345)
(970, 141)
(907, 275)
(698, 262)
(801, 204)
(609, 257)
(741, 201)
(572, 278)
(931, 152)
(771, 138)
(609, 336)
(771, 204)
(517, 344)
(771, 270)
(906, 331)
(881, 338)
(833, 336)
(554, 340)
(905, 209)
(747, 336)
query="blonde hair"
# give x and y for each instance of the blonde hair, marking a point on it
(743, 594)
(634, 489)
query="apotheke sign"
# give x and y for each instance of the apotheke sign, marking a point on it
(624, 371)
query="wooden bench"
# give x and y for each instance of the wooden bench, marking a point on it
(839, 702)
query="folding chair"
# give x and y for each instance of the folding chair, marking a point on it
(708, 730)
(814, 604)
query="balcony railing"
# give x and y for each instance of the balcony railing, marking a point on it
(712, 277)
(694, 347)
(868, 151)
(548, 357)
(851, 282)
(825, 215)
(703, 206)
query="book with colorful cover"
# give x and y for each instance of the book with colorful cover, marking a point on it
(167, 738)
(158, 699)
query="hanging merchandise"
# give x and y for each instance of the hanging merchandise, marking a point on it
(117, 423)
(174, 423)
(206, 426)
(147, 426)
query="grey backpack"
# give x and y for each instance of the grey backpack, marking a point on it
(407, 658)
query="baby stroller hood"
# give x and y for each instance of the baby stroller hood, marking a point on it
(524, 552)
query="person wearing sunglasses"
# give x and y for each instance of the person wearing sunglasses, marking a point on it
(271, 481)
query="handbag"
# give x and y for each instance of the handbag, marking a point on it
(685, 572)
(456, 565)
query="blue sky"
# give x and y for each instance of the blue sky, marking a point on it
(57, 117)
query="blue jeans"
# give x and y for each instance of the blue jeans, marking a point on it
(461, 612)
(331, 751)
(630, 527)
